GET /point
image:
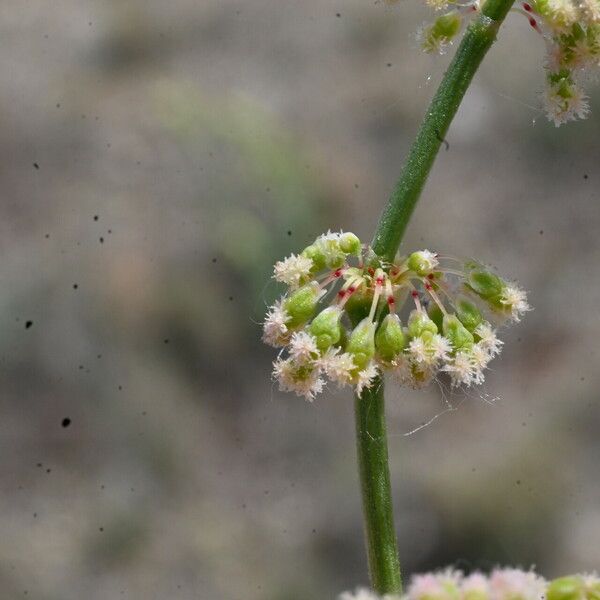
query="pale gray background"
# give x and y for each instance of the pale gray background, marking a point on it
(211, 137)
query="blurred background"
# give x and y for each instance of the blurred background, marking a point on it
(156, 159)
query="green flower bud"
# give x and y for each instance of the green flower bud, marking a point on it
(359, 305)
(329, 245)
(468, 314)
(443, 30)
(362, 343)
(419, 323)
(302, 304)
(326, 328)
(350, 244)
(457, 333)
(317, 256)
(565, 588)
(390, 339)
(436, 315)
(485, 284)
(422, 262)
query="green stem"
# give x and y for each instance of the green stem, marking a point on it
(382, 551)
(477, 40)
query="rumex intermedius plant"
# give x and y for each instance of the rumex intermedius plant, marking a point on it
(354, 311)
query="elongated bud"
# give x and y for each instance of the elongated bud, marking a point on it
(329, 244)
(361, 344)
(350, 244)
(422, 262)
(468, 314)
(390, 340)
(457, 333)
(302, 304)
(316, 255)
(326, 327)
(419, 323)
(441, 32)
(485, 284)
(436, 315)
(359, 305)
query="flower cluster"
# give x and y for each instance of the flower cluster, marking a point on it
(571, 33)
(342, 317)
(501, 584)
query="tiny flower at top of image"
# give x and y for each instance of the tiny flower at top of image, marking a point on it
(349, 316)
(569, 29)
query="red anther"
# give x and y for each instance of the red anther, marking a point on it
(337, 273)
(430, 276)
(379, 281)
(371, 271)
(428, 286)
(351, 289)
(390, 300)
(341, 293)
(415, 294)
(533, 23)
(527, 7)
(393, 272)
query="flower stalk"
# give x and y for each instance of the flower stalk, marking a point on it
(478, 38)
(374, 472)
(384, 565)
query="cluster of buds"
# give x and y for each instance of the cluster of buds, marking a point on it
(501, 584)
(571, 33)
(349, 316)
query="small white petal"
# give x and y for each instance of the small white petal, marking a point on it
(293, 270)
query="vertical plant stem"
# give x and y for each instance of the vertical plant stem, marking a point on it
(384, 565)
(371, 438)
(479, 37)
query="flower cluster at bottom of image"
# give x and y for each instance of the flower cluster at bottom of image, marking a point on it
(349, 316)
(501, 584)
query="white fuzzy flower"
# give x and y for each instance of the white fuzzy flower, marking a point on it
(515, 299)
(461, 369)
(475, 585)
(365, 378)
(515, 584)
(418, 351)
(560, 109)
(562, 13)
(488, 339)
(431, 258)
(293, 270)
(591, 10)
(304, 380)
(480, 358)
(275, 331)
(443, 585)
(303, 347)
(440, 347)
(338, 366)
(430, 352)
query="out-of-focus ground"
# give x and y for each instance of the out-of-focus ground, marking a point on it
(156, 158)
